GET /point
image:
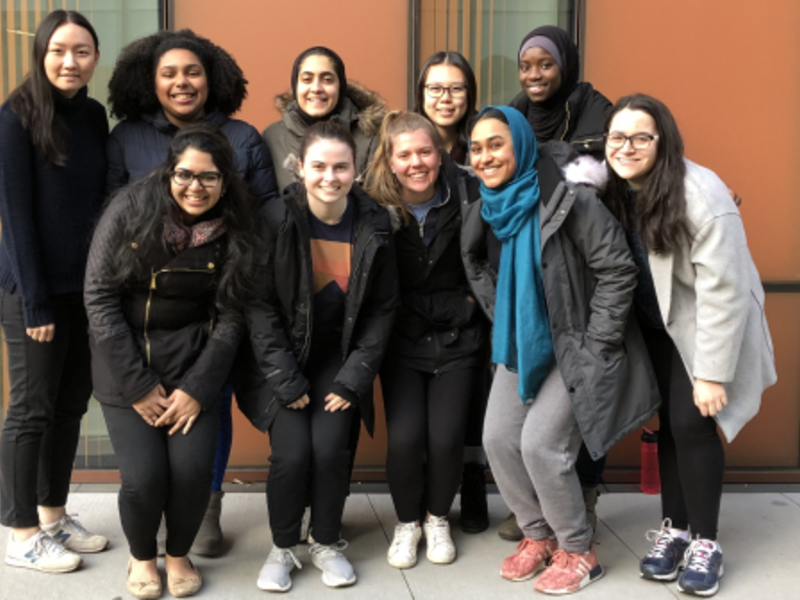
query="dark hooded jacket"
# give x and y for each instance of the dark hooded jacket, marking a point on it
(589, 277)
(281, 319)
(361, 112)
(138, 146)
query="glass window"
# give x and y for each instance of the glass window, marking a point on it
(488, 34)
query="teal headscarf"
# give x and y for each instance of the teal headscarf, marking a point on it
(521, 337)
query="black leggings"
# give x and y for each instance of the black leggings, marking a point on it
(162, 475)
(310, 462)
(426, 418)
(51, 383)
(691, 457)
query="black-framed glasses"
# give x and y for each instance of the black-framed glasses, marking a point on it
(436, 90)
(639, 141)
(184, 178)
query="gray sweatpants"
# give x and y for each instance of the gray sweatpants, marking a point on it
(532, 449)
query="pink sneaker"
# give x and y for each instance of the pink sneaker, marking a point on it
(528, 560)
(568, 572)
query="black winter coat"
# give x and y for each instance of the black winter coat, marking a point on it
(137, 147)
(281, 319)
(163, 326)
(587, 111)
(589, 277)
(440, 327)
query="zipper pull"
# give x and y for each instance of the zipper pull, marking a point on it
(153, 281)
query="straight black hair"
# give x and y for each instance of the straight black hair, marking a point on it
(33, 100)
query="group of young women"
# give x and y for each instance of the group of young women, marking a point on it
(347, 244)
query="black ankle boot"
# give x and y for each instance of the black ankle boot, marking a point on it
(474, 508)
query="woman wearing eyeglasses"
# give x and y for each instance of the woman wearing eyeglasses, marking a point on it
(168, 269)
(701, 307)
(320, 91)
(162, 83)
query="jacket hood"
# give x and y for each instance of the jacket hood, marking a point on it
(369, 107)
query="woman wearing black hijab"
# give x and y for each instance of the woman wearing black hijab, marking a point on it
(556, 104)
(321, 92)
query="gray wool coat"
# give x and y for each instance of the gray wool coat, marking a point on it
(712, 301)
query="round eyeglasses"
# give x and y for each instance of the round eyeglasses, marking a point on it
(207, 179)
(639, 141)
(436, 90)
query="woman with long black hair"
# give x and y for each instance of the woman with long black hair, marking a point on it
(169, 270)
(701, 305)
(52, 174)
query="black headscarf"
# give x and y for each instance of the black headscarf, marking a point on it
(547, 118)
(338, 67)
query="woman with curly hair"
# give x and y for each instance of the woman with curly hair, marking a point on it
(321, 92)
(168, 272)
(52, 173)
(160, 84)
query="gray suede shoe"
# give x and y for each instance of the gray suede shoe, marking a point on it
(209, 539)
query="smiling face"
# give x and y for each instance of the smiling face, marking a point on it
(70, 59)
(491, 152)
(629, 163)
(448, 109)
(317, 86)
(181, 86)
(539, 74)
(194, 199)
(415, 161)
(328, 172)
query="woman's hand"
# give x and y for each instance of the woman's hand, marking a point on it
(301, 402)
(153, 405)
(182, 412)
(45, 333)
(334, 403)
(709, 397)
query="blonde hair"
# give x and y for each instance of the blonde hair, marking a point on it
(380, 182)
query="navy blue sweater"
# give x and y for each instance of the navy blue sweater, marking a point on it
(48, 212)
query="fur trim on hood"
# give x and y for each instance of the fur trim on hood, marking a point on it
(370, 106)
(587, 170)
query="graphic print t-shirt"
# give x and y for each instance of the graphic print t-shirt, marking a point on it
(331, 253)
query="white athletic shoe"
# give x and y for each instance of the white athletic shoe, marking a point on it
(41, 553)
(441, 549)
(336, 569)
(274, 575)
(73, 536)
(402, 553)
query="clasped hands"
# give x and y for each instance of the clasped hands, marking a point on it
(178, 409)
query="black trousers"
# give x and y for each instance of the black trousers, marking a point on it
(426, 418)
(311, 458)
(691, 457)
(51, 384)
(162, 475)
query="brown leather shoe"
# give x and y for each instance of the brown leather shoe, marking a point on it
(189, 586)
(143, 589)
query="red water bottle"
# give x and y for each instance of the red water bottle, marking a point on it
(650, 480)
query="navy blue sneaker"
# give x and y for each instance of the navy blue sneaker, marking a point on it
(703, 569)
(665, 559)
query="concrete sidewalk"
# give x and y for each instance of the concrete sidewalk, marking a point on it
(759, 537)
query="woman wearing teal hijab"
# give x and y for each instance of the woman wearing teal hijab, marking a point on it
(571, 364)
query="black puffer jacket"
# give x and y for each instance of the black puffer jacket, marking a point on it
(163, 326)
(137, 147)
(281, 320)
(440, 327)
(587, 110)
(589, 277)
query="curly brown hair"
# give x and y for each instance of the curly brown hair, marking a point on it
(132, 93)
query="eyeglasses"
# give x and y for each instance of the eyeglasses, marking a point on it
(639, 141)
(207, 179)
(435, 90)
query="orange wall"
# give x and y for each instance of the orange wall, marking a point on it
(265, 36)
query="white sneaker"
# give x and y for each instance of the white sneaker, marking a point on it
(73, 536)
(274, 575)
(336, 569)
(403, 551)
(41, 553)
(441, 549)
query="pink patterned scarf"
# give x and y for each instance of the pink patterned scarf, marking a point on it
(181, 236)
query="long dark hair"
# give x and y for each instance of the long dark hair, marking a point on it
(462, 64)
(150, 203)
(338, 68)
(132, 88)
(659, 210)
(33, 100)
